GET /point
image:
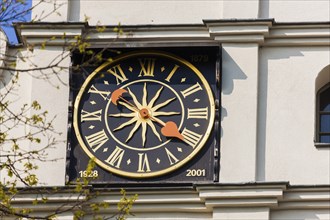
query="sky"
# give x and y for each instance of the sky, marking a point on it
(7, 28)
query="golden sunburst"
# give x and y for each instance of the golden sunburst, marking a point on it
(139, 120)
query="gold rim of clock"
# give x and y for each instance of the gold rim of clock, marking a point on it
(170, 168)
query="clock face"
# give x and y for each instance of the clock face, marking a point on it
(144, 114)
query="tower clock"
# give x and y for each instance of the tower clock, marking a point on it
(147, 115)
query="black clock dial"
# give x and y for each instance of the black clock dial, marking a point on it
(144, 114)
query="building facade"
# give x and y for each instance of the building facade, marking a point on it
(264, 151)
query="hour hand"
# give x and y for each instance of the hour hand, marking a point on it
(117, 95)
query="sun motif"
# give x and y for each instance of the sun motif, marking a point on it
(143, 114)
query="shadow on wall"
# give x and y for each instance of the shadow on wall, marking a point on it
(300, 214)
(3, 49)
(74, 10)
(322, 78)
(7, 72)
(230, 72)
(263, 9)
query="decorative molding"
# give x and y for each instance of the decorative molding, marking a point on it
(53, 34)
(262, 32)
(235, 31)
(201, 200)
(299, 35)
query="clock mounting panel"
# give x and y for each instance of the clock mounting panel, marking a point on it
(146, 115)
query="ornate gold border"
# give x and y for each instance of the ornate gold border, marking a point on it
(171, 168)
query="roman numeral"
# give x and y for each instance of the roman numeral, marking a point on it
(91, 116)
(191, 137)
(116, 157)
(168, 78)
(191, 90)
(94, 90)
(201, 113)
(171, 157)
(96, 140)
(118, 72)
(147, 66)
(143, 163)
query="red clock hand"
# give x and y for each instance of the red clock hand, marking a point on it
(117, 94)
(170, 129)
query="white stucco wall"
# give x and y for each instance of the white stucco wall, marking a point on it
(150, 12)
(50, 10)
(239, 112)
(296, 11)
(53, 96)
(287, 115)
(52, 93)
(181, 11)
(279, 143)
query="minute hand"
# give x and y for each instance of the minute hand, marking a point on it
(169, 129)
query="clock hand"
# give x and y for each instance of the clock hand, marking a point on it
(117, 94)
(169, 129)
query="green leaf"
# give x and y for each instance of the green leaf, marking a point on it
(35, 105)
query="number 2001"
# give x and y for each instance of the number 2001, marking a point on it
(196, 172)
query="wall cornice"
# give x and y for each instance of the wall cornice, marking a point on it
(201, 199)
(300, 34)
(262, 32)
(239, 31)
